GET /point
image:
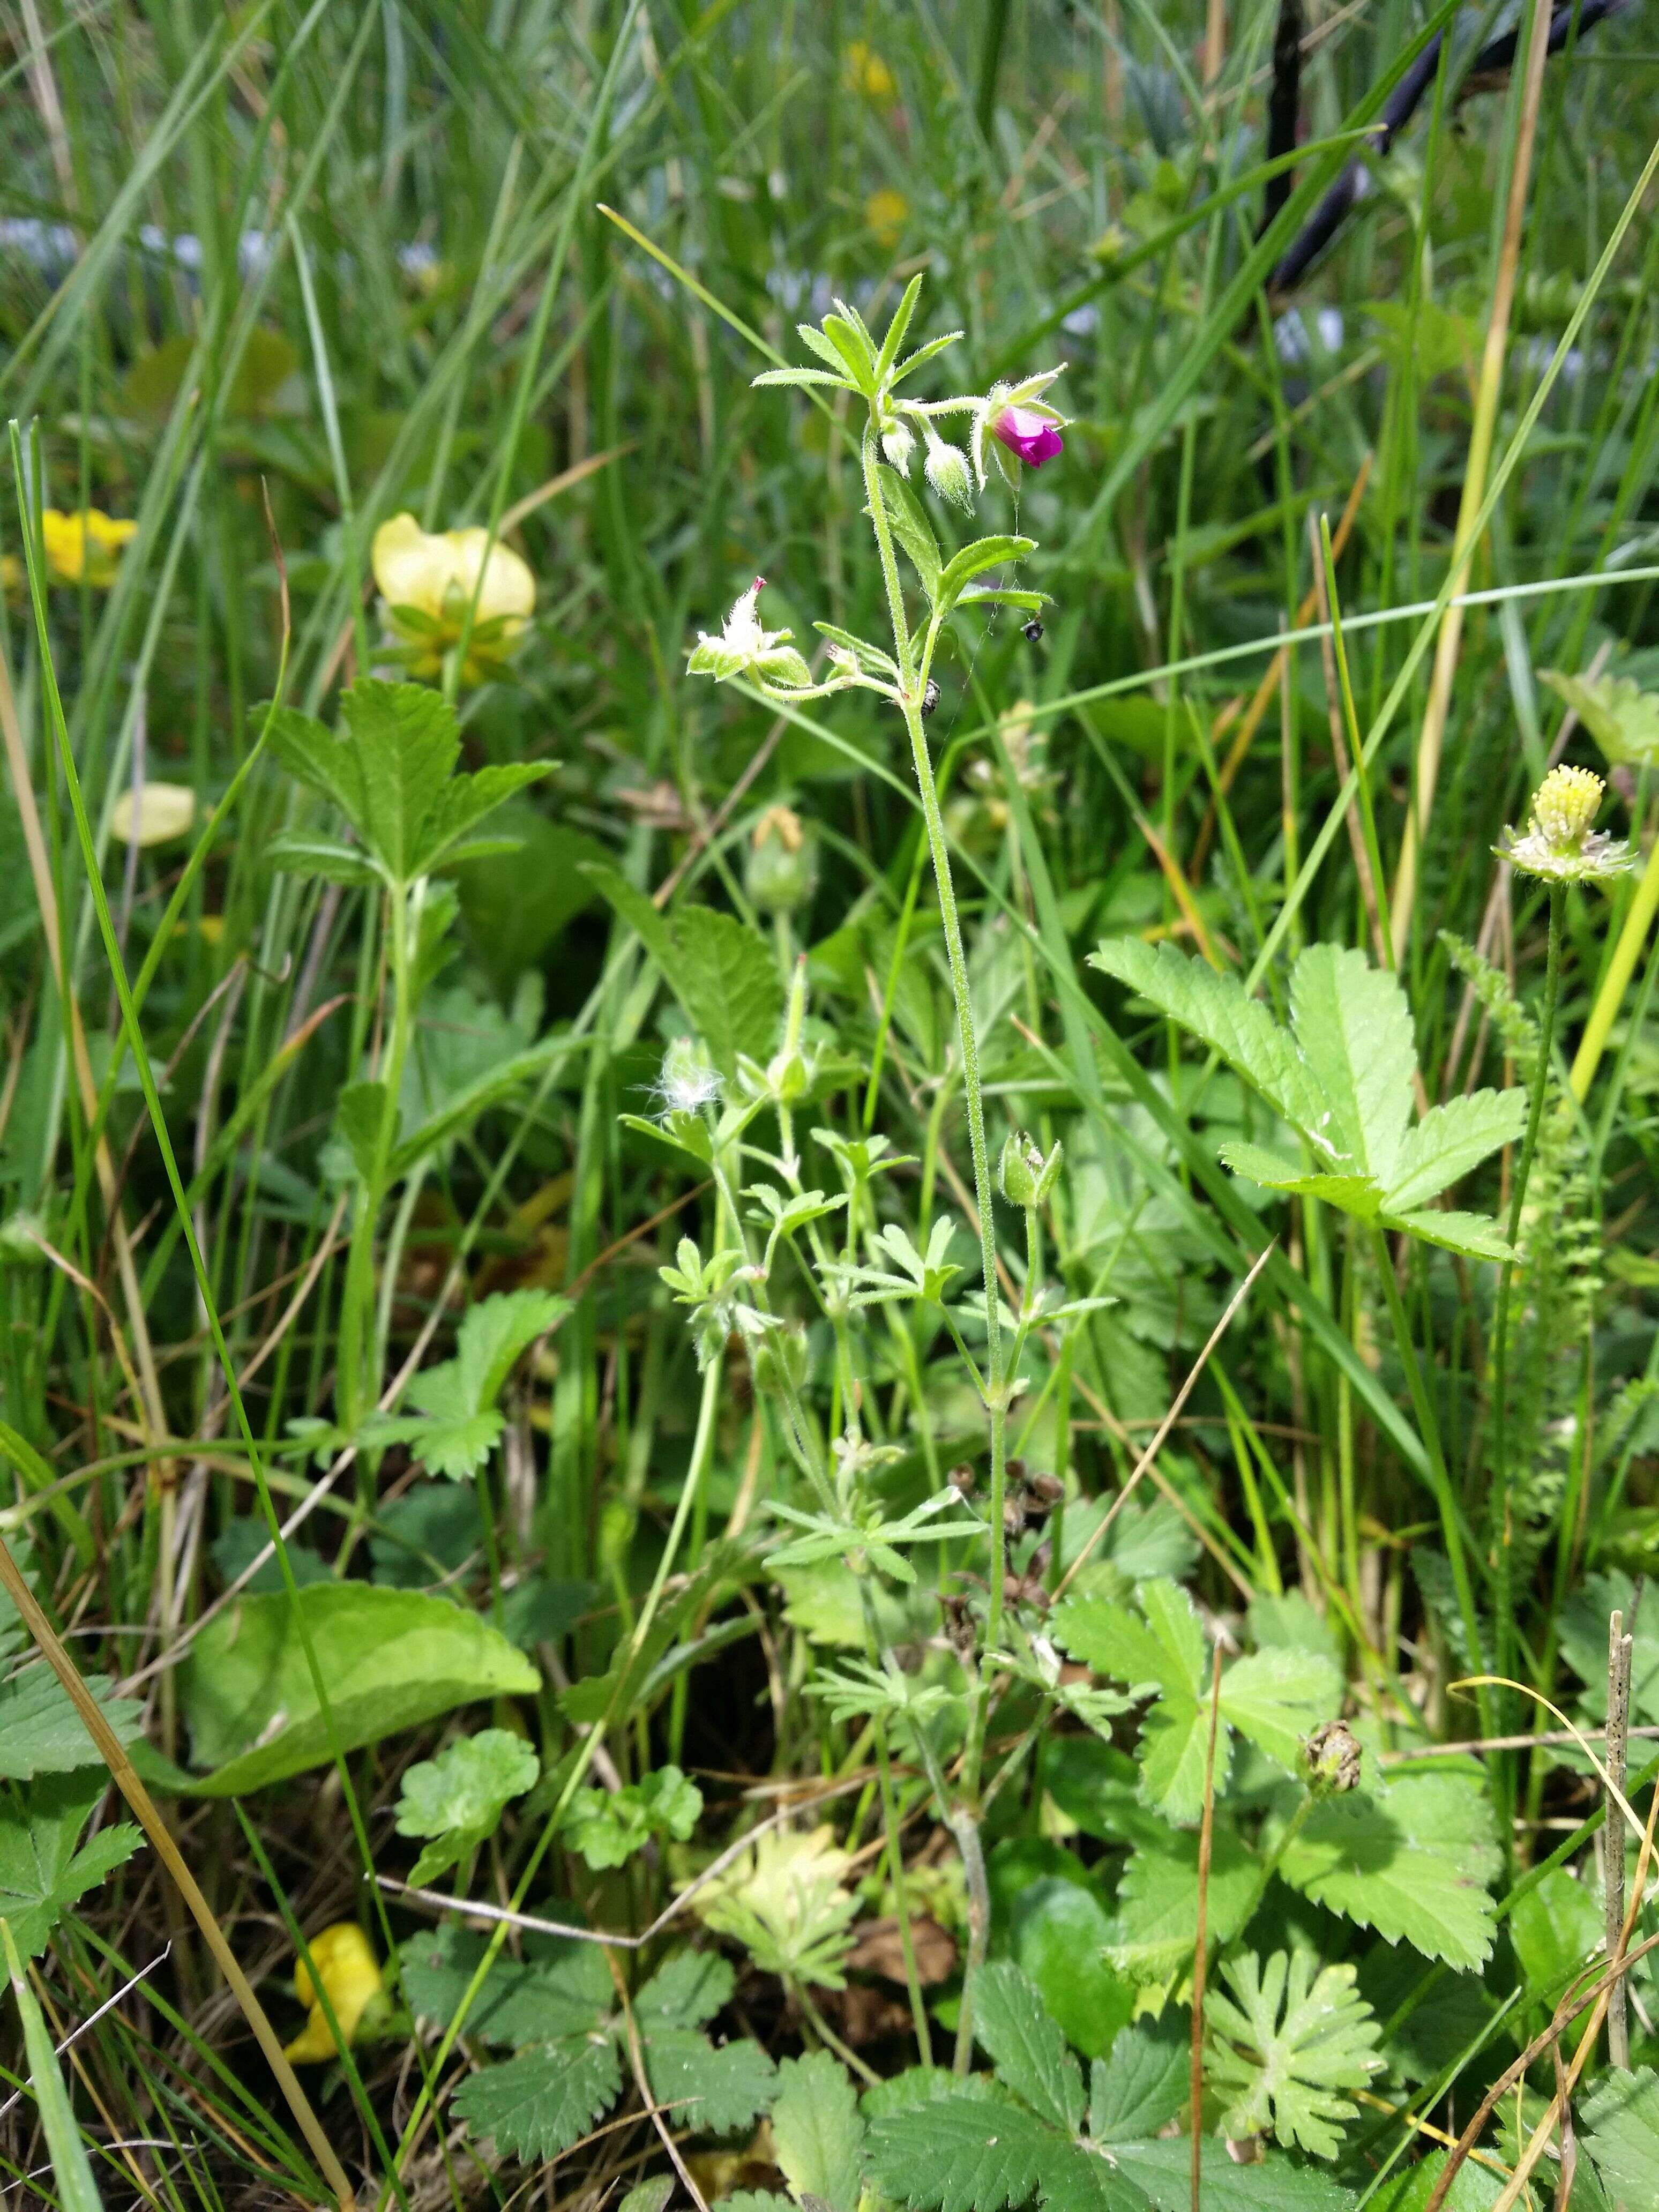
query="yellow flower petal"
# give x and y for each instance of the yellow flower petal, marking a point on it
(420, 568)
(164, 810)
(885, 212)
(863, 70)
(350, 1976)
(87, 543)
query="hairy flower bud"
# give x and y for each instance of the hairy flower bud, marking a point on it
(1026, 1177)
(898, 444)
(947, 469)
(781, 871)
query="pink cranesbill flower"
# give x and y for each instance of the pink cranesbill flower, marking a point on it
(1032, 438)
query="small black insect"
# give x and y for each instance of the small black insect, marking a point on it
(1032, 630)
(929, 698)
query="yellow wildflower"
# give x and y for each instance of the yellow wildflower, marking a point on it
(85, 544)
(351, 1975)
(162, 812)
(863, 71)
(11, 573)
(426, 580)
(885, 212)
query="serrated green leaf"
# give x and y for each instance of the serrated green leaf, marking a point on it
(462, 1108)
(818, 2134)
(1157, 1902)
(1449, 1140)
(305, 852)
(1278, 1698)
(689, 1988)
(1144, 2081)
(1353, 1030)
(41, 1873)
(607, 1826)
(357, 1116)
(1215, 1009)
(962, 2155)
(711, 2089)
(1285, 2039)
(1619, 2129)
(1473, 1235)
(1025, 2046)
(40, 1731)
(1413, 1862)
(540, 2103)
(402, 743)
(560, 1989)
(1167, 1652)
(1355, 1193)
(314, 755)
(726, 978)
(1273, 2183)
(461, 804)
(390, 1659)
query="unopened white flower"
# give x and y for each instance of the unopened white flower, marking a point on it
(156, 815)
(1559, 845)
(947, 469)
(743, 647)
(898, 443)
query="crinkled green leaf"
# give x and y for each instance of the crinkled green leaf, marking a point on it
(963, 2155)
(1273, 2183)
(725, 977)
(1027, 2048)
(818, 2134)
(1355, 1193)
(457, 1799)
(1286, 2037)
(1144, 2081)
(40, 1731)
(538, 2104)
(607, 1826)
(711, 2088)
(1618, 2125)
(1353, 1030)
(1621, 717)
(1413, 1861)
(689, 1988)
(560, 1988)
(1157, 1902)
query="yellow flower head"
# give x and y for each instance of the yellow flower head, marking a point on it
(351, 1976)
(426, 580)
(1560, 846)
(885, 212)
(162, 812)
(88, 545)
(863, 71)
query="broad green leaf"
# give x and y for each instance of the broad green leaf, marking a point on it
(1215, 1009)
(41, 1871)
(402, 743)
(460, 1110)
(1286, 2037)
(303, 853)
(1413, 1861)
(1355, 1193)
(314, 757)
(514, 915)
(494, 1335)
(463, 802)
(1175, 1744)
(1157, 1902)
(389, 1659)
(1025, 2046)
(1354, 1031)
(76, 2191)
(456, 1800)
(561, 1988)
(818, 2137)
(538, 2104)
(40, 1731)
(974, 560)
(1057, 1931)
(1473, 1235)
(1620, 2124)
(688, 1989)
(1175, 1624)
(1555, 1926)
(1167, 1652)
(1278, 1699)
(1078, 2179)
(1273, 2183)
(912, 529)
(713, 2090)
(961, 2154)
(631, 905)
(358, 1115)
(1584, 1640)
(608, 1826)
(1144, 2081)
(1622, 718)
(653, 2196)
(726, 977)
(1449, 1140)
(1408, 2188)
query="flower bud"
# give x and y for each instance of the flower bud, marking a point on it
(898, 444)
(1330, 1760)
(779, 1361)
(947, 470)
(782, 872)
(1026, 1177)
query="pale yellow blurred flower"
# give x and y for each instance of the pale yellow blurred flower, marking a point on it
(863, 71)
(427, 580)
(87, 544)
(11, 573)
(162, 812)
(350, 1974)
(885, 212)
